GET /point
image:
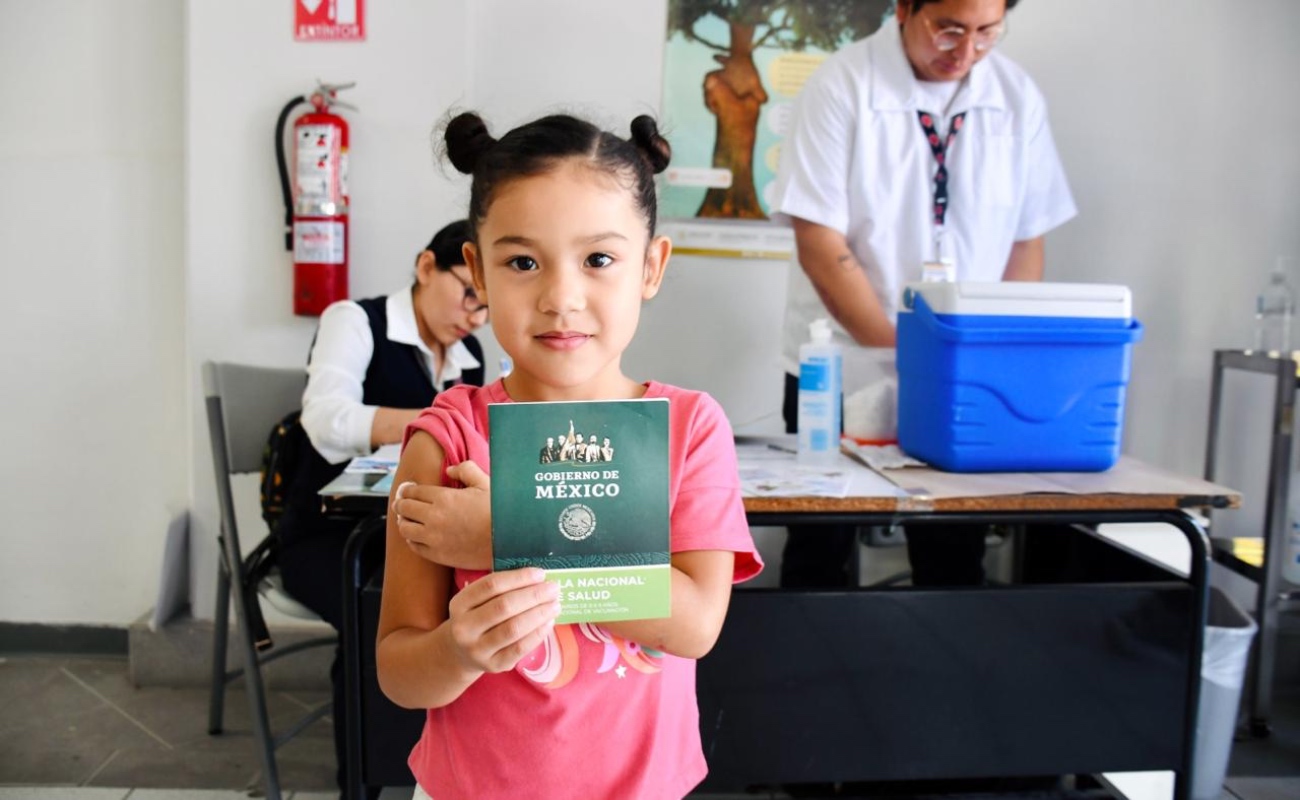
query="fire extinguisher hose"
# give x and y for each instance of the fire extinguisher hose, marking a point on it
(285, 189)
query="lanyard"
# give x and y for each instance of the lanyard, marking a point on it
(939, 147)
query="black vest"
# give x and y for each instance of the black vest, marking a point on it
(397, 378)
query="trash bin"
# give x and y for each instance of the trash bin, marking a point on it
(1229, 631)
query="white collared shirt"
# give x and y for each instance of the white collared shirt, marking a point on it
(337, 422)
(856, 160)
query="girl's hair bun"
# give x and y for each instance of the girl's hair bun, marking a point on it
(467, 139)
(654, 148)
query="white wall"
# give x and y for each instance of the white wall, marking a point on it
(92, 336)
(1181, 154)
(1184, 196)
(731, 349)
(242, 66)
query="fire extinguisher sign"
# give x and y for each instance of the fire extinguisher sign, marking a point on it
(329, 20)
(317, 242)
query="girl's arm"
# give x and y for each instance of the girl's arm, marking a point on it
(701, 592)
(433, 643)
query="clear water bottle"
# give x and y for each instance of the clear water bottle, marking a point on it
(1274, 312)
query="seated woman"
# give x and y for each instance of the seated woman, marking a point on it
(374, 365)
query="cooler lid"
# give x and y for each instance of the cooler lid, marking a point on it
(1024, 299)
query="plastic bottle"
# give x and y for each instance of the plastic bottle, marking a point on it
(1274, 311)
(820, 388)
(943, 268)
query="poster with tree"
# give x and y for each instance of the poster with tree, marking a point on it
(732, 69)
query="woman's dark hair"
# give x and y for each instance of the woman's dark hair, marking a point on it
(918, 4)
(536, 147)
(446, 245)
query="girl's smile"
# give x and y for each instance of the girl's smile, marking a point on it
(563, 340)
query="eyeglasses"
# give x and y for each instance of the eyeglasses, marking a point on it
(949, 39)
(469, 301)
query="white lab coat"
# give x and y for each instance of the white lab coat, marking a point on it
(856, 160)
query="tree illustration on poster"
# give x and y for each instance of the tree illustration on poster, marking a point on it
(744, 38)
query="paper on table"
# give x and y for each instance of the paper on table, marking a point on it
(802, 482)
(357, 484)
(878, 457)
(1128, 476)
(382, 460)
(383, 485)
(768, 469)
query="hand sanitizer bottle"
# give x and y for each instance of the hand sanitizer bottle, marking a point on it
(820, 388)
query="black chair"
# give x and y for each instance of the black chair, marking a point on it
(244, 403)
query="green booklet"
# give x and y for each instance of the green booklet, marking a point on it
(580, 489)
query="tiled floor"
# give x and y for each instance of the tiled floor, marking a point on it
(79, 722)
(76, 728)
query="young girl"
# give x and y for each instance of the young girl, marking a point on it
(562, 248)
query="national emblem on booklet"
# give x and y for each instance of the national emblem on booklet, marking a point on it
(580, 489)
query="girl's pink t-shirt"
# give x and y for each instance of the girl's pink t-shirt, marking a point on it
(588, 714)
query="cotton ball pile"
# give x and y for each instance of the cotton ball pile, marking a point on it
(871, 413)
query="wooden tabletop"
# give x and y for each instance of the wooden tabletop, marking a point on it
(1130, 485)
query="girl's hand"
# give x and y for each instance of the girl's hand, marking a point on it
(452, 527)
(502, 617)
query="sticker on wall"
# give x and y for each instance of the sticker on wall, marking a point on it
(329, 20)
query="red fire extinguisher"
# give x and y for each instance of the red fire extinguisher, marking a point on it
(316, 199)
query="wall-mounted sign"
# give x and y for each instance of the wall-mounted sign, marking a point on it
(732, 70)
(329, 20)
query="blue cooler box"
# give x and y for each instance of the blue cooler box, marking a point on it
(1014, 377)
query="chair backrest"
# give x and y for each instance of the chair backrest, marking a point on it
(244, 403)
(248, 402)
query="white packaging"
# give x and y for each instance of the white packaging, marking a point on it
(870, 386)
(1025, 299)
(821, 370)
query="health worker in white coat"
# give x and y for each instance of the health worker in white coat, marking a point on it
(920, 143)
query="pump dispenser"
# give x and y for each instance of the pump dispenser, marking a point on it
(820, 390)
